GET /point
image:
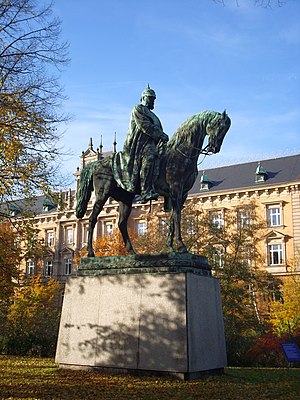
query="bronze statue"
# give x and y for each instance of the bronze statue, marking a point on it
(136, 168)
(110, 176)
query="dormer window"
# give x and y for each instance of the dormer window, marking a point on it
(14, 210)
(261, 174)
(48, 205)
(205, 183)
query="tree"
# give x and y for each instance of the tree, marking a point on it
(10, 258)
(9, 272)
(19, 241)
(33, 318)
(30, 96)
(107, 245)
(154, 239)
(285, 313)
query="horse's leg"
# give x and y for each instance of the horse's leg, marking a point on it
(124, 213)
(92, 222)
(181, 247)
(171, 233)
(177, 199)
(103, 186)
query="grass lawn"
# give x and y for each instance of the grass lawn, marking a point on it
(35, 378)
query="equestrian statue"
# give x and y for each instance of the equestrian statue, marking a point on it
(150, 166)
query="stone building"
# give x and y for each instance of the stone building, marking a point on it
(274, 184)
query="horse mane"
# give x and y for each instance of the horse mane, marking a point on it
(187, 130)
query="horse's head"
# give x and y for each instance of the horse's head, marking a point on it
(216, 130)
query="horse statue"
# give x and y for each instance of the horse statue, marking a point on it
(178, 172)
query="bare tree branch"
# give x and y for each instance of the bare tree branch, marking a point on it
(31, 57)
(258, 3)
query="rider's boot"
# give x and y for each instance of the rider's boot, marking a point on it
(147, 190)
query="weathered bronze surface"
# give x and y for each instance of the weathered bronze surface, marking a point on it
(144, 263)
(136, 168)
(123, 175)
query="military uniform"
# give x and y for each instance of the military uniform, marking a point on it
(137, 167)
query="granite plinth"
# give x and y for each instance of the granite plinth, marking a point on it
(151, 322)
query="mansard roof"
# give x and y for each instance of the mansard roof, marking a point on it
(284, 170)
(242, 176)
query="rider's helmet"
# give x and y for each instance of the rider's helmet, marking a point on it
(148, 92)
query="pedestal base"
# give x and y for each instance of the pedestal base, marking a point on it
(146, 322)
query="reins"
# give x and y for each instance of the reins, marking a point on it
(201, 151)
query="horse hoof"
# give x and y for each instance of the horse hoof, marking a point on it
(182, 249)
(170, 250)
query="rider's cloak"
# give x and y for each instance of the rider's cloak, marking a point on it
(144, 132)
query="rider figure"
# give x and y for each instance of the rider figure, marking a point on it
(144, 143)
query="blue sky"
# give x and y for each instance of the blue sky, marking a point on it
(196, 55)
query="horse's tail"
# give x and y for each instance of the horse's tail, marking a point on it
(85, 188)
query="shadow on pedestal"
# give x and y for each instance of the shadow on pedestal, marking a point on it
(144, 314)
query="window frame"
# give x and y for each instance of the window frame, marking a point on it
(277, 216)
(141, 227)
(243, 221)
(108, 228)
(68, 266)
(220, 220)
(50, 238)
(48, 267)
(280, 254)
(30, 268)
(218, 258)
(69, 238)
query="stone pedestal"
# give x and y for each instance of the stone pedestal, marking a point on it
(154, 314)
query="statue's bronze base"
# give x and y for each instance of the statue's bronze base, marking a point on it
(144, 263)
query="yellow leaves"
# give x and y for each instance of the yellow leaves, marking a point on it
(10, 258)
(285, 314)
(110, 245)
(27, 146)
(31, 300)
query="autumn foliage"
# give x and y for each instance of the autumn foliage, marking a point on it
(33, 317)
(107, 245)
(10, 257)
(285, 313)
(29, 98)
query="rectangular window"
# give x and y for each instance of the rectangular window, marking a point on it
(68, 266)
(50, 238)
(69, 236)
(275, 252)
(217, 219)
(189, 225)
(141, 228)
(109, 229)
(274, 215)
(163, 226)
(217, 259)
(30, 268)
(48, 269)
(243, 219)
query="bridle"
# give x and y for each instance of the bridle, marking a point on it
(201, 151)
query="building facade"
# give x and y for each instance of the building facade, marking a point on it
(273, 184)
